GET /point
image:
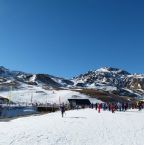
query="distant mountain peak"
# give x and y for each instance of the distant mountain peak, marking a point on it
(3, 70)
(2, 67)
(113, 70)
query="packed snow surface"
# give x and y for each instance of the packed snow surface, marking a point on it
(78, 127)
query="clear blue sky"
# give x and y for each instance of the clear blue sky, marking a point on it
(68, 37)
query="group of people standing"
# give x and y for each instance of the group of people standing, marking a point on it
(117, 106)
(108, 106)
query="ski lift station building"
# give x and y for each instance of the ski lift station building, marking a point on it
(79, 102)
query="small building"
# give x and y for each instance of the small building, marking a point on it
(79, 102)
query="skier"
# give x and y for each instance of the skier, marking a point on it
(92, 105)
(119, 105)
(62, 108)
(104, 106)
(112, 108)
(0, 109)
(123, 107)
(109, 107)
(99, 107)
(140, 106)
(96, 106)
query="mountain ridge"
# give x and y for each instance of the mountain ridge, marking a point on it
(108, 79)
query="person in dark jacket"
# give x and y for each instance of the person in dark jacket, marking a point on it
(140, 106)
(96, 106)
(62, 108)
(92, 105)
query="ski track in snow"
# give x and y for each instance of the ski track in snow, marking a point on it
(78, 127)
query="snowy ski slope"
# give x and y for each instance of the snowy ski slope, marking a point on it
(37, 94)
(78, 127)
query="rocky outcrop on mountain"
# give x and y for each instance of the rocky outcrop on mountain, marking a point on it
(46, 80)
(135, 82)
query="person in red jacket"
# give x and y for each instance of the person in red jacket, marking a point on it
(112, 108)
(99, 107)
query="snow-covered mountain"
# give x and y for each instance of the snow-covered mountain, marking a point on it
(112, 80)
(16, 80)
